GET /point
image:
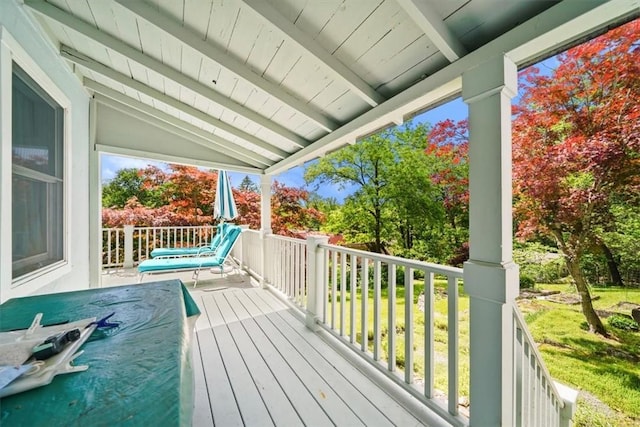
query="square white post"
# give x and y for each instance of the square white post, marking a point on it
(95, 202)
(128, 246)
(315, 279)
(244, 249)
(490, 275)
(6, 249)
(265, 224)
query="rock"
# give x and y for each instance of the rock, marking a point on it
(635, 313)
(535, 293)
(570, 299)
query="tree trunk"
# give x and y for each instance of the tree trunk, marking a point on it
(595, 324)
(408, 238)
(378, 232)
(614, 273)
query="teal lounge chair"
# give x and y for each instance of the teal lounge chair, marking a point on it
(193, 250)
(214, 260)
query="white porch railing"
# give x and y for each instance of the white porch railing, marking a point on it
(281, 263)
(362, 325)
(286, 266)
(329, 282)
(127, 246)
(538, 401)
(250, 252)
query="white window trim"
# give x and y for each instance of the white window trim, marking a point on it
(11, 51)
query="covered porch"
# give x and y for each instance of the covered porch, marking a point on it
(263, 86)
(257, 364)
(293, 311)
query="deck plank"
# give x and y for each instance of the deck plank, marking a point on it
(348, 377)
(278, 404)
(256, 364)
(202, 413)
(321, 389)
(223, 403)
(249, 401)
(297, 391)
(275, 401)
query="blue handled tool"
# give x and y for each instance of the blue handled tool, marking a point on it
(104, 323)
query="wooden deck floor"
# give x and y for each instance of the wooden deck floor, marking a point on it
(256, 364)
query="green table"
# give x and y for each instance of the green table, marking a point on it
(139, 374)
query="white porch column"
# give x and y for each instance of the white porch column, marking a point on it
(95, 202)
(265, 223)
(6, 200)
(490, 275)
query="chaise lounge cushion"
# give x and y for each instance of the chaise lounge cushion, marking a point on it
(194, 263)
(193, 250)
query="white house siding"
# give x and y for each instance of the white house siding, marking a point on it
(19, 24)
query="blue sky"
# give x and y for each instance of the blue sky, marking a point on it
(455, 110)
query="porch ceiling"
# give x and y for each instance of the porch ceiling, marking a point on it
(264, 85)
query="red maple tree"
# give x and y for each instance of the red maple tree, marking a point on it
(576, 145)
(449, 143)
(289, 214)
(189, 192)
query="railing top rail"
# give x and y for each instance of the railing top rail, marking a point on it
(162, 227)
(177, 227)
(417, 265)
(534, 349)
(286, 238)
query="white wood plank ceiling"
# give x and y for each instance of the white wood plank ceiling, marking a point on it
(265, 85)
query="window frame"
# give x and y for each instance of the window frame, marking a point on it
(12, 52)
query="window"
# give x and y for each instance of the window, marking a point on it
(37, 176)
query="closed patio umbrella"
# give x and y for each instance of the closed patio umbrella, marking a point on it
(224, 206)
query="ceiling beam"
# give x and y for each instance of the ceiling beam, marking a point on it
(109, 42)
(84, 61)
(168, 128)
(219, 56)
(357, 85)
(109, 96)
(544, 34)
(422, 13)
(131, 152)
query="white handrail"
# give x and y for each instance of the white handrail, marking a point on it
(414, 264)
(538, 402)
(145, 239)
(340, 273)
(349, 271)
(250, 252)
(285, 267)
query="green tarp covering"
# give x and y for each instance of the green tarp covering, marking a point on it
(139, 374)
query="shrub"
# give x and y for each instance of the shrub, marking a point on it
(526, 282)
(623, 322)
(540, 262)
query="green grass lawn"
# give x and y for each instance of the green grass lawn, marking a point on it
(607, 368)
(440, 330)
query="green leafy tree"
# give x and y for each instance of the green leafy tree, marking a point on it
(324, 205)
(623, 240)
(365, 165)
(143, 185)
(394, 195)
(412, 192)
